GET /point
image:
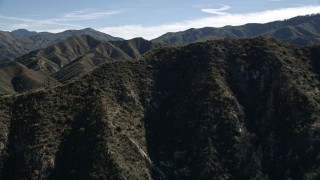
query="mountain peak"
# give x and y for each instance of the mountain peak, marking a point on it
(88, 29)
(24, 32)
(92, 32)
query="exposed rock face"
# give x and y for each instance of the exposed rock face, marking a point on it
(229, 109)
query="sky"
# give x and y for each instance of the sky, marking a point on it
(145, 18)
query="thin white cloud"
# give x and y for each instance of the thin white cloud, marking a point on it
(276, 0)
(88, 14)
(220, 19)
(26, 23)
(217, 11)
(150, 32)
(56, 24)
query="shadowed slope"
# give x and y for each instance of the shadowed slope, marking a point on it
(12, 45)
(15, 77)
(136, 47)
(226, 109)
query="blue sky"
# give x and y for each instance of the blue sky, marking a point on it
(145, 18)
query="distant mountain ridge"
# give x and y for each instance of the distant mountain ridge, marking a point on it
(16, 43)
(66, 60)
(44, 39)
(24, 32)
(301, 30)
(12, 45)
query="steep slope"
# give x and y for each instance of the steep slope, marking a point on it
(136, 47)
(15, 77)
(301, 30)
(12, 45)
(65, 60)
(102, 53)
(56, 56)
(229, 109)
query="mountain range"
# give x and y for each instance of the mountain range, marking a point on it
(85, 105)
(66, 60)
(301, 30)
(224, 109)
(16, 43)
